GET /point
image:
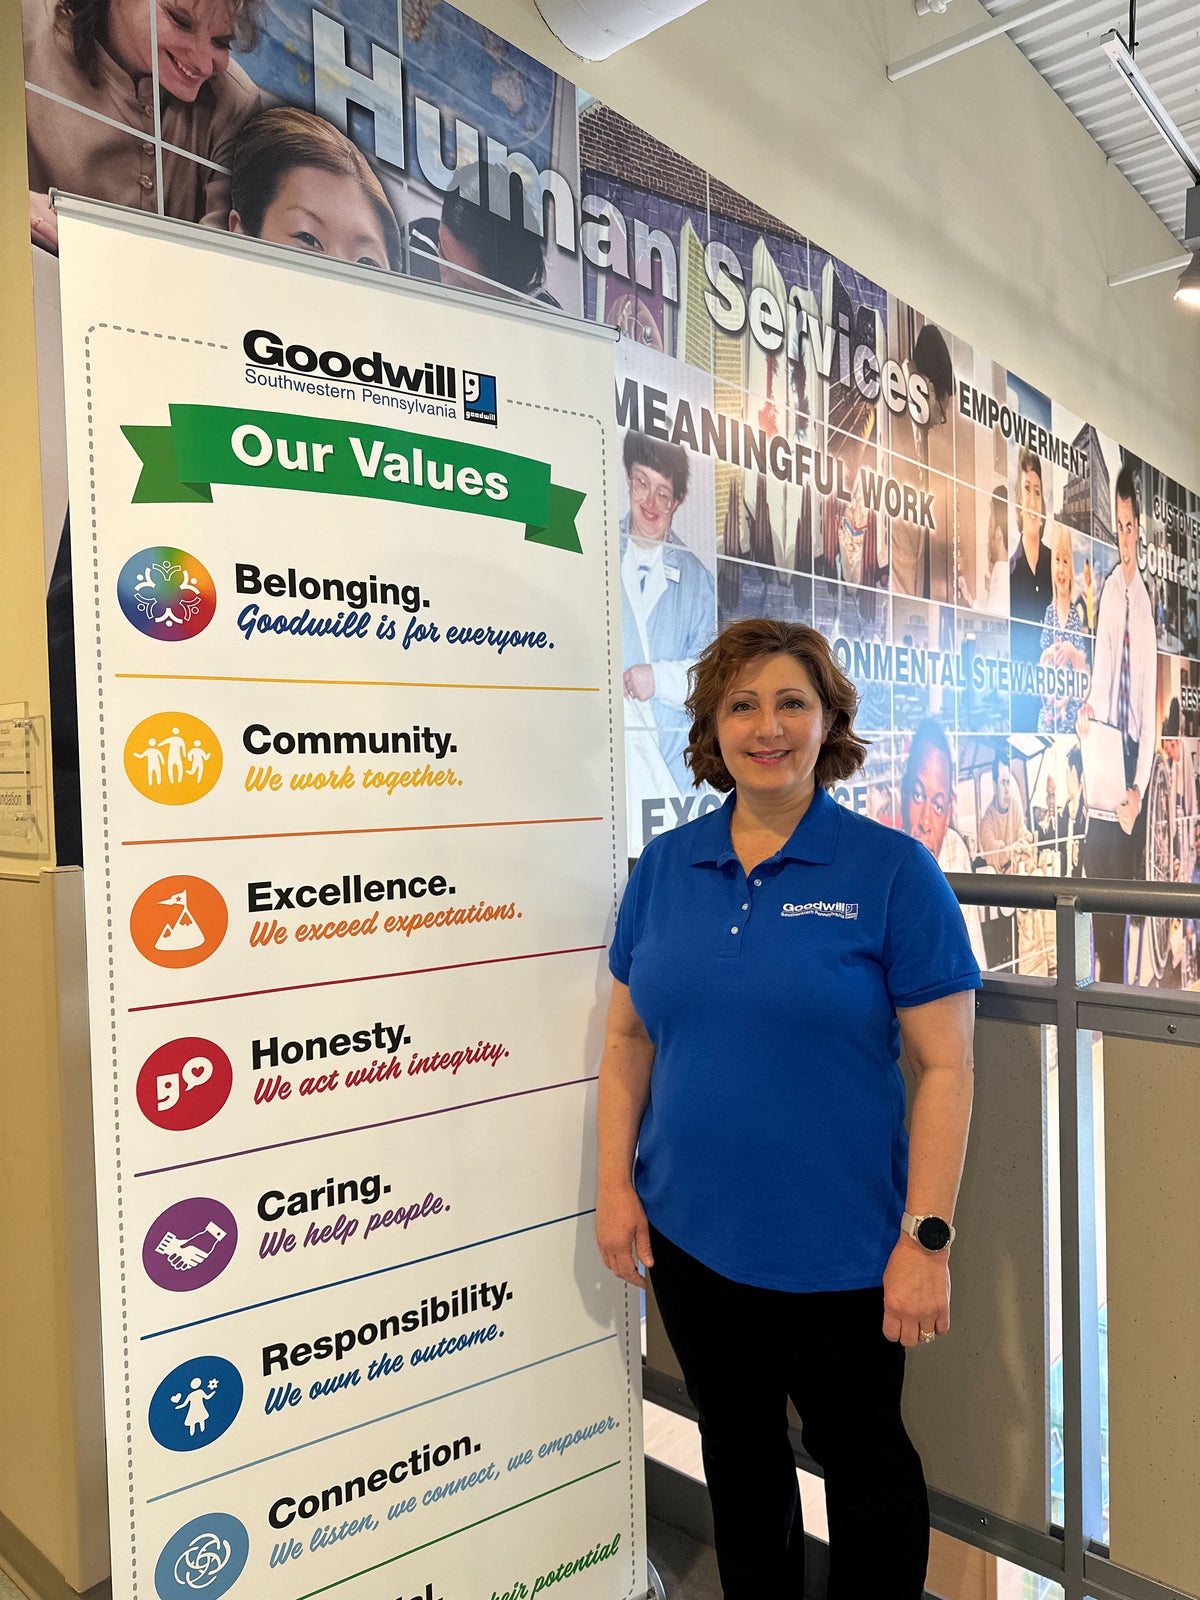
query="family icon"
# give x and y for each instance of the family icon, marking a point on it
(173, 758)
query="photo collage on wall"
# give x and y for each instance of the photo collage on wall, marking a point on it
(1016, 596)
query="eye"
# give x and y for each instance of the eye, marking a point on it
(370, 261)
(308, 241)
(739, 705)
(181, 21)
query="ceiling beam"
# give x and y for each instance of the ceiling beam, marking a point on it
(1175, 264)
(978, 34)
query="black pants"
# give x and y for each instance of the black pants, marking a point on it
(1110, 852)
(744, 1351)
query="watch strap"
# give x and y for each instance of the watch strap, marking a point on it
(910, 1224)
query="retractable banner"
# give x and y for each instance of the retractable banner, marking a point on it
(350, 765)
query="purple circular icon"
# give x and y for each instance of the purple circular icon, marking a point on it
(190, 1244)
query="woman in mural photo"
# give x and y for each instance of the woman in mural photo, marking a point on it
(1064, 639)
(298, 181)
(100, 55)
(993, 597)
(768, 959)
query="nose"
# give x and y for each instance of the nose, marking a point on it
(766, 724)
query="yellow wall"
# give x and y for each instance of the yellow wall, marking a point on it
(52, 1507)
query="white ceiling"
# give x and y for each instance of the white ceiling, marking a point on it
(1065, 48)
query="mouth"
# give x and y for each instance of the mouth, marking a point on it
(767, 758)
(189, 76)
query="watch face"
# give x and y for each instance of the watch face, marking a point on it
(933, 1233)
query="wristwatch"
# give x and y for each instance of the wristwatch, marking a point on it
(931, 1233)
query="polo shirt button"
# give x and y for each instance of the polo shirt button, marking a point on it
(758, 883)
(746, 907)
(733, 930)
(146, 181)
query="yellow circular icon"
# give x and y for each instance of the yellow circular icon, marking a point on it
(173, 758)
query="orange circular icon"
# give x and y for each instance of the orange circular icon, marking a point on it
(173, 758)
(178, 922)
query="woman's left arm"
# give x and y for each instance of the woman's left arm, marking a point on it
(938, 1041)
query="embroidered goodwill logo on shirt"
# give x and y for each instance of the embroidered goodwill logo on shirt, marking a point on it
(846, 909)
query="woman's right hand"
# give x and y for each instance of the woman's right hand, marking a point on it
(43, 222)
(623, 1234)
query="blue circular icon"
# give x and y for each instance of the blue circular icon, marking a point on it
(205, 1558)
(195, 1404)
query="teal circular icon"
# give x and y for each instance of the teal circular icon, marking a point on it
(204, 1558)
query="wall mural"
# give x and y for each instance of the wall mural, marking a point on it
(1015, 595)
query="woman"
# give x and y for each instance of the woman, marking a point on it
(100, 55)
(993, 597)
(475, 247)
(297, 180)
(1064, 643)
(768, 958)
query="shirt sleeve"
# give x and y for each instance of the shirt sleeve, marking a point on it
(926, 948)
(620, 953)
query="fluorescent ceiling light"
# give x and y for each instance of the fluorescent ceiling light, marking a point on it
(1115, 49)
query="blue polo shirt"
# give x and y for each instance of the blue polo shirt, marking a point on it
(773, 1146)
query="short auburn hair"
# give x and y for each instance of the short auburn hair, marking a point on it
(843, 752)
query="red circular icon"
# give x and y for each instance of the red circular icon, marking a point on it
(184, 1083)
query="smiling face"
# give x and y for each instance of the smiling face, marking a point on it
(1033, 508)
(194, 37)
(770, 729)
(1127, 536)
(652, 503)
(1064, 570)
(326, 212)
(927, 810)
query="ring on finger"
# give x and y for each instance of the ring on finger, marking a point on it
(926, 1335)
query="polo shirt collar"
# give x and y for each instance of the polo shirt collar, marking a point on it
(814, 838)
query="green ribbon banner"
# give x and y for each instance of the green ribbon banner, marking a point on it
(204, 445)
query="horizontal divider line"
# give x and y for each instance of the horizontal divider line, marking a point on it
(359, 1277)
(389, 1416)
(361, 683)
(441, 1539)
(326, 833)
(364, 977)
(366, 1127)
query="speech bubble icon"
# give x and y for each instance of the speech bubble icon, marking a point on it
(197, 1071)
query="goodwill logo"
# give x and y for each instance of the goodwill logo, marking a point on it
(847, 910)
(479, 397)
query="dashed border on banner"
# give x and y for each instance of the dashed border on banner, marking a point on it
(636, 1590)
